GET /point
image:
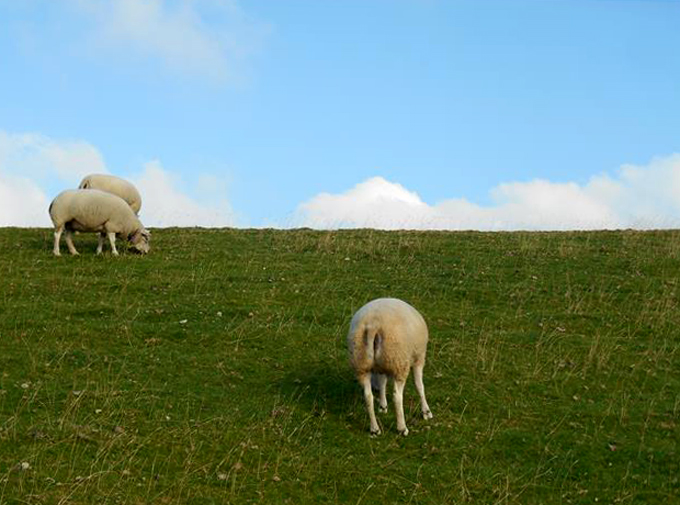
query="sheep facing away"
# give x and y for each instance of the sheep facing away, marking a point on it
(388, 337)
(115, 185)
(91, 210)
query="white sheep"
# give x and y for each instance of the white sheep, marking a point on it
(112, 184)
(91, 210)
(386, 338)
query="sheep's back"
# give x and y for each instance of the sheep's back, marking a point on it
(403, 329)
(90, 209)
(115, 185)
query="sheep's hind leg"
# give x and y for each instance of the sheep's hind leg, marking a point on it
(57, 236)
(420, 387)
(69, 242)
(365, 381)
(399, 405)
(112, 241)
(382, 388)
(100, 243)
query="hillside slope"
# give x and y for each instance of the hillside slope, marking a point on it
(214, 370)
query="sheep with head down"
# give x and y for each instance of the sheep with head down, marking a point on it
(388, 337)
(91, 210)
(115, 185)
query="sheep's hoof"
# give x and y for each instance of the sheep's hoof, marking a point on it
(382, 409)
(404, 432)
(375, 432)
(75, 253)
(427, 415)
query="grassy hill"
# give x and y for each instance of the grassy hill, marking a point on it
(214, 370)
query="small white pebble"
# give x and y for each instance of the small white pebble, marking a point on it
(219, 313)
(97, 411)
(76, 393)
(24, 465)
(222, 476)
(25, 385)
(183, 321)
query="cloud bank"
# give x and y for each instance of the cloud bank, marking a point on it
(35, 168)
(196, 37)
(641, 197)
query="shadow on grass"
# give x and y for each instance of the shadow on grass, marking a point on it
(322, 387)
(335, 391)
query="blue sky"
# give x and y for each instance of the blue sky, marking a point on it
(509, 114)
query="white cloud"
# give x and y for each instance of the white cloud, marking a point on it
(33, 166)
(164, 205)
(375, 203)
(43, 157)
(22, 202)
(636, 197)
(196, 37)
(29, 165)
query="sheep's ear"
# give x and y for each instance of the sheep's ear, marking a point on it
(134, 237)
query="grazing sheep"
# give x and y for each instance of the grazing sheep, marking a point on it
(91, 210)
(386, 338)
(115, 185)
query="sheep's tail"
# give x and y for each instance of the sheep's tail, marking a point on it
(372, 341)
(49, 210)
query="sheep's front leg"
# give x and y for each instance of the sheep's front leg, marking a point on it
(399, 405)
(420, 387)
(365, 381)
(112, 241)
(69, 242)
(100, 242)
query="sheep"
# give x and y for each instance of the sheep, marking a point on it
(91, 210)
(386, 338)
(115, 185)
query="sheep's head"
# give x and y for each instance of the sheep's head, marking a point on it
(140, 240)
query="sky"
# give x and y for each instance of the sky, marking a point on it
(418, 114)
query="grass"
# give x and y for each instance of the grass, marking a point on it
(214, 370)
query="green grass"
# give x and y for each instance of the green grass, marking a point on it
(214, 370)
